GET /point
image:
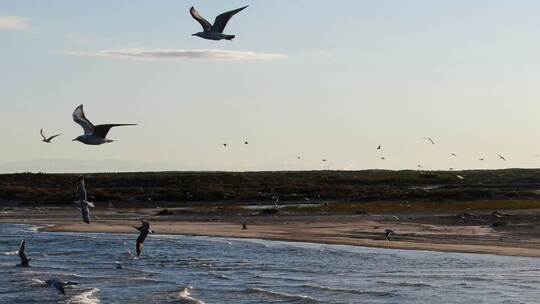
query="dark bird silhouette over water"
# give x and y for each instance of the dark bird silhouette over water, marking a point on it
(144, 230)
(214, 31)
(84, 204)
(93, 135)
(387, 234)
(47, 139)
(59, 284)
(22, 255)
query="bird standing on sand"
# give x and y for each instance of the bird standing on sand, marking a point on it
(144, 230)
(501, 157)
(47, 139)
(430, 140)
(387, 233)
(214, 31)
(93, 135)
(83, 202)
(22, 255)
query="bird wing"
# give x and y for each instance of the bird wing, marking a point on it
(22, 255)
(102, 130)
(82, 192)
(54, 136)
(41, 132)
(204, 23)
(59, 286)
(221, 20)
(80, 118)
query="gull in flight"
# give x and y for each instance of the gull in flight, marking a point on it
(378, 147)
(501, 157)
(430, 140)
(481, 159)
(93, 135)
(460, 177)
(83, 202)
(47, 139)
(225, 145)
(22, 256)
(387, 233)
(383, 158)
(246, 142)
(214, 31)
(453, 154)
(298, 157)
(144, 230)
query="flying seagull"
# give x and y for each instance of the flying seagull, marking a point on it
(460, 177)
(387, 233)
(430, 140)
(501, 157)
(214, 31)
(453, 154)
(481, 159)
(22, 256)
(298, 157)
(245, 143)
(93, 135)
(59, 284)
(378, 147)
(144, 229)
(225, 145)
(83, 202)
(324, 159)
(383, 158)
(47, 139)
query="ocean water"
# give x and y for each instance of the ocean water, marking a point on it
(182, 269)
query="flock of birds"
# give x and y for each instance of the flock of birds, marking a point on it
(97, 135)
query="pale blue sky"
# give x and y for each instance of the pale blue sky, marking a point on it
(354, 74)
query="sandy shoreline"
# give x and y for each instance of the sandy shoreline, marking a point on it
(413, 232)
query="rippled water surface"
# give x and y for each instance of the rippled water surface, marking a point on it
(180, 269)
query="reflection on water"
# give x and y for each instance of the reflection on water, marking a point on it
(179, 269)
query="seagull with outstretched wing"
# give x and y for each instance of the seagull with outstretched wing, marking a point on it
(47, 139)
(144, 230)
(93, 135)
(214, 31)
(501, 157)
(84, 204)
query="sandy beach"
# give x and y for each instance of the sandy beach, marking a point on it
(456, 232)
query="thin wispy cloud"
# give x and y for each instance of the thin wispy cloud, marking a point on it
(14, 23)
(169, 54)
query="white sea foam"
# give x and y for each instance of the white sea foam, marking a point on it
(87, 297)
(186, 297)
(283, 295)
(11, 252)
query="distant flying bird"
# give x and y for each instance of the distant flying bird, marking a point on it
(144, 230)
(275, 200)
(420, 166)
(93, 135)
(324, 159)
(387, 234)
(299, 157)
(378, 147)
(383, 158)
(245, 143)
(22, 256)
(501, 157)
(430, 140)
(481, 159)
(460, 177)
(83, 202)
(47, 139)
(214, 31)
(225, 145)
(453, 154)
